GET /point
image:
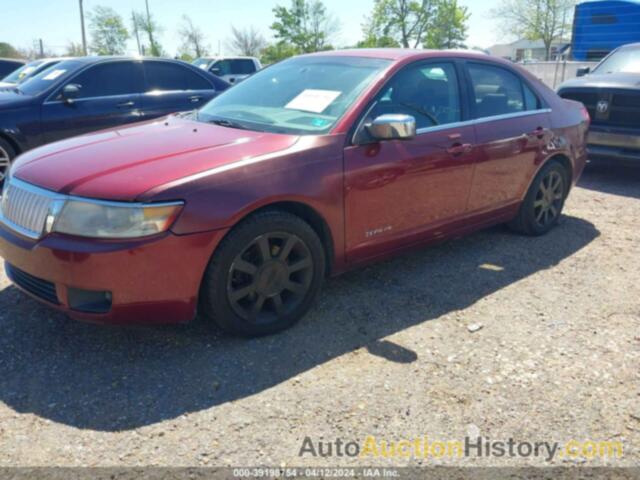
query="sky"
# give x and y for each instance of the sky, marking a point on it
(57, 21)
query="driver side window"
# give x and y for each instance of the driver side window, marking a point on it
(428, 92)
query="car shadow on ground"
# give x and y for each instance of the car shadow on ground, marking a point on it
(111, 379)
(612, 178)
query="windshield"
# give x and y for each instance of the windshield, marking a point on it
(625, 60)
(201, 62)
(304, 95)
(49, 77)
(23, 72)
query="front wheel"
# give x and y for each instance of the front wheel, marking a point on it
(542, 206)
(264, 275)
(6, 157)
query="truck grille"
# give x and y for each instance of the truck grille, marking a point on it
(623, 106)
(24, 208)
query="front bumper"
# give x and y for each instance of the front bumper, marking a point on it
(620, 146)
(150, 281)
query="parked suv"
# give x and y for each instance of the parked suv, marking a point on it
(85, 94)
(8, 65)
(611, 94)
(317, 165)
(230, 69)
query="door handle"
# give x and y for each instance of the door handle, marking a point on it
(125, 104)
(538, 132)
(195, 99)
(458, 149)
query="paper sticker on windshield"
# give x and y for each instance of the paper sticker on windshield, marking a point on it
(53, 74)
(313, 100)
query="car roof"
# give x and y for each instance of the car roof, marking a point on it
(12, 60)
(405, 55)
(109, 58)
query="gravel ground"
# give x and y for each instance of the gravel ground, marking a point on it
(494, 334)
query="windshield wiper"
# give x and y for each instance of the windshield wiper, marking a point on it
(225, 122)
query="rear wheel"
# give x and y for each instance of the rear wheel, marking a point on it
(264, 275)
(7, 155)
(542, 206)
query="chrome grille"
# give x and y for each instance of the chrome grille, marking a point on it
(24, 208)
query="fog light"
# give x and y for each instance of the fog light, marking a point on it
(89, 301)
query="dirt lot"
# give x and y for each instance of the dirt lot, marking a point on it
(388, 352)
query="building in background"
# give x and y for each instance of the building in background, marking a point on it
(602, 26)
(527, 50)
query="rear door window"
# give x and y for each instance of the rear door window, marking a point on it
(169, 77)
(498, 91)
(109, 79)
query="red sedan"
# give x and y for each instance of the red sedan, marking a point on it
(313, 166)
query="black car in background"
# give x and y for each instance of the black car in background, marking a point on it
(85, 94)
(28, 70)
(611, 94)
(8, 65)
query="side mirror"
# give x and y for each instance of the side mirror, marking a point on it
(70, 92)
(392, 127)
(581, 72)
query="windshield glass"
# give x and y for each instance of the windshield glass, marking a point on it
(304, 95)
(22, 73)
(201, 62)
(625, 60)
(49, 77)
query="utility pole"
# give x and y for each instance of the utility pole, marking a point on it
(134, 20)
(152, 46)
(41, 48)
(84, 35)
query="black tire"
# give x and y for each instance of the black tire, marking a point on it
(542, 206)
(7, 154)
(272, 262)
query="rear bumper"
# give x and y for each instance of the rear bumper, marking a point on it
(619, 146)
(148, 281)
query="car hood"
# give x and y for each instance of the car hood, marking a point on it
(10, 98)
(609, 80)
(122, 164)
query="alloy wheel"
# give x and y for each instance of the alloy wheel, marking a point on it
(270, 277)
(548, 202)
(5, 162)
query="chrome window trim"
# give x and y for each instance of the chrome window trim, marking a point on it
(58, 200)
(476, 121)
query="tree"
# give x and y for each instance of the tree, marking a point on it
(74, 50)
(449, 28)
(247, 41)
(193, 39)
(276, 52)
(373, 39)
(546, 20)
(108, 33)
(8, 51)
(405, 21)
(306, 26)
(144, 22)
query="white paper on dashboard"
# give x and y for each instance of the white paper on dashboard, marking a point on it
(313, 100)
(54, 74)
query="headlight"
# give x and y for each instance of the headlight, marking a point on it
(112, 219)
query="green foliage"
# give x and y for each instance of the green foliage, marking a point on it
(405, 21)
(108, 33)
(146, 23)
(277, 51)
(449, 28)
(74, 50)
(546, 20)
(8, 51)
(306, 26)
